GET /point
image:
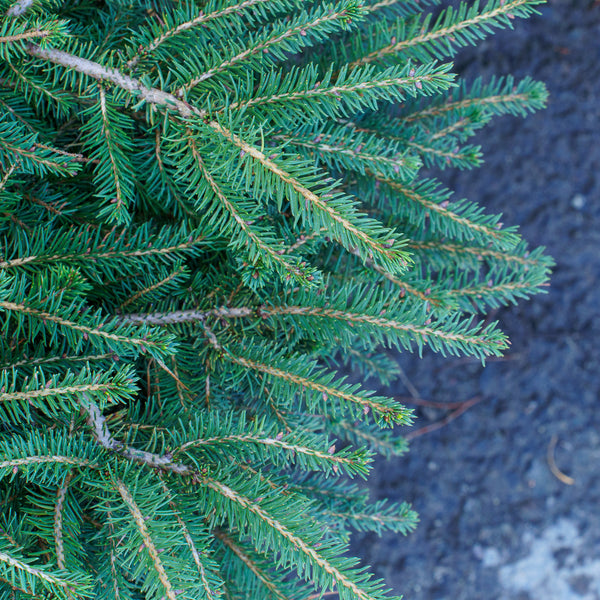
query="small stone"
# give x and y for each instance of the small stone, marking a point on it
(578, 201)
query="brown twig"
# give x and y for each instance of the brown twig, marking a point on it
(430, 403)
(552, 463)
(464, 406)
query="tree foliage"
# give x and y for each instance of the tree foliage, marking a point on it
(209, 210)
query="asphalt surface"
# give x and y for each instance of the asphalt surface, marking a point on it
(509, 492)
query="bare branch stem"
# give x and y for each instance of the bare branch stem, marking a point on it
(97, 423)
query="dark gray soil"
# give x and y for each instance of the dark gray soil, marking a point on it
(495, 522)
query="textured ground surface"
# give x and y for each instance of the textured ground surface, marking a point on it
(496, 523)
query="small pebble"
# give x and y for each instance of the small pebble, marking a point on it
(578, 201)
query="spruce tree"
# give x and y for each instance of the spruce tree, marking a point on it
(209, 210)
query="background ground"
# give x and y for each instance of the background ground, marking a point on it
(496, 523)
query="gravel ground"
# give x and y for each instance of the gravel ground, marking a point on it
(496, 523)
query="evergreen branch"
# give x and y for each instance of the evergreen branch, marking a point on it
(188, 316)
(58, 521)
(108, 132)
(280, 39)
(350, 233)
(15, 463)
(58, 394)
(30, 577)
(244, 227)
(147, 290)
(17, 35)
(99, 72)
(453, 128)
(304, 238)
(140, 521)
(49, 360)
(250, 564)
(7, 174)
(51, 391)
(447, 335)
(73, 156)
(19, 146)
(44, 458)
(434, 250)
(33, 89)
(113, 570)
(379, 441)
(498, 97)
(347, 588)
(92, 332)
(345, 149)
(318, 459)
(421, 293)
(452, 28)
(445, 152)
(397, 518)
(199, 20)
(477, 229)
(114, 247)
(102, 435)
(210, 593)
(389, 412)
(360, 89)
(465, 157)
(345, 222)
(26, 35)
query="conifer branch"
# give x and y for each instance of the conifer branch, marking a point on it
(113, 253)
(48, 360)
(480, 253)
(95, 70)
(140, 521)
(8, 173)
(57, 583)
(275, 254)
(102, 435)
(443, 208)
(250, 564)
(211, 594)
(151, 288)
(43, 160)
(88, 330)
(390, 413)
(263, 47)
(25, 35)
(485, 17)
(352, 463)
(42, 460)
(344, 583)
(424, 295)
(58, 521)
(71, 390)
(476, 340)
(187, 316)
(197, 21)
(378, 249)
(111, 151)
(500, 96)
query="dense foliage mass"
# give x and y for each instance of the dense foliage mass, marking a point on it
(207, 210)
